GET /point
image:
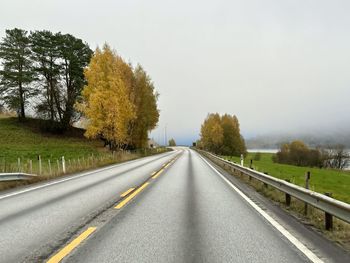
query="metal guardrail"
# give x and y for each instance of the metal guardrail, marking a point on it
(4, 177)
(327, 204)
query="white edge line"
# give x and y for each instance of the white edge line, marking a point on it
(70, 178)
(307, 252)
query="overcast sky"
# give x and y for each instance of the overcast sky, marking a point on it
(279, 65)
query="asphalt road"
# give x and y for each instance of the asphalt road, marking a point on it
(186, 212)
(188, 215)
(36, 219)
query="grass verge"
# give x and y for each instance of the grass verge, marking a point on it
(21, 144)
(336, 182)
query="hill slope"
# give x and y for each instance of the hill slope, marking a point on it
(26, 141)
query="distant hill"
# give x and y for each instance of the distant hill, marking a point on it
(312, 139)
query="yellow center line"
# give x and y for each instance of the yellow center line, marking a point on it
(157, 174)
(127, 192)
(126, 200)
(153, 173)
(67, 249)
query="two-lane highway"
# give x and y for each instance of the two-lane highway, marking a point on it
(173, 207)
(37, 219)
(189, 215)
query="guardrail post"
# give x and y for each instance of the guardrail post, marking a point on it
(288, 197)
(328, 217)
(307, 178)
(265, 184)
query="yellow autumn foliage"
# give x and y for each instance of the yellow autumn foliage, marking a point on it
(106, 98)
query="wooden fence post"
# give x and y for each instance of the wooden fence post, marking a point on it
(40, 167)
(63, 165)
(50, 170)
(58, 166)
(19, 164)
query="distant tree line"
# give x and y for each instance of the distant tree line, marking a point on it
(298, 153)
(59, 78)
(221, 135)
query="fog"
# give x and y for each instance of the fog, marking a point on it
(280, 66)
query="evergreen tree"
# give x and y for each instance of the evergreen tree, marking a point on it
(16, 73)
(74, 56)
(46, 61)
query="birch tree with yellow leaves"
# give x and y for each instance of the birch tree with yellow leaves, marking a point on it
(221, 135)
(106, 99)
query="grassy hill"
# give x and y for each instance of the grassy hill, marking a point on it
(22, 142)
(27, 141)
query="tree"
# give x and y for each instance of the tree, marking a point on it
(298, 153)
(147, 113)
(336, 157)
(75, 55)
(172, 142)
(212, 133)
(46, 56)
(59, 61)
(221, 135)
(17, 73)
(233, 142)
(105, 100)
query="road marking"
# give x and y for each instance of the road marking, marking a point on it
(153, 173)
(127, 192)
(126, 200)
(157, 174)
(73, 177)
(72, 245)
(307, 252)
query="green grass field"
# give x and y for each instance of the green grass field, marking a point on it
(322, 180)
(25, 141)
